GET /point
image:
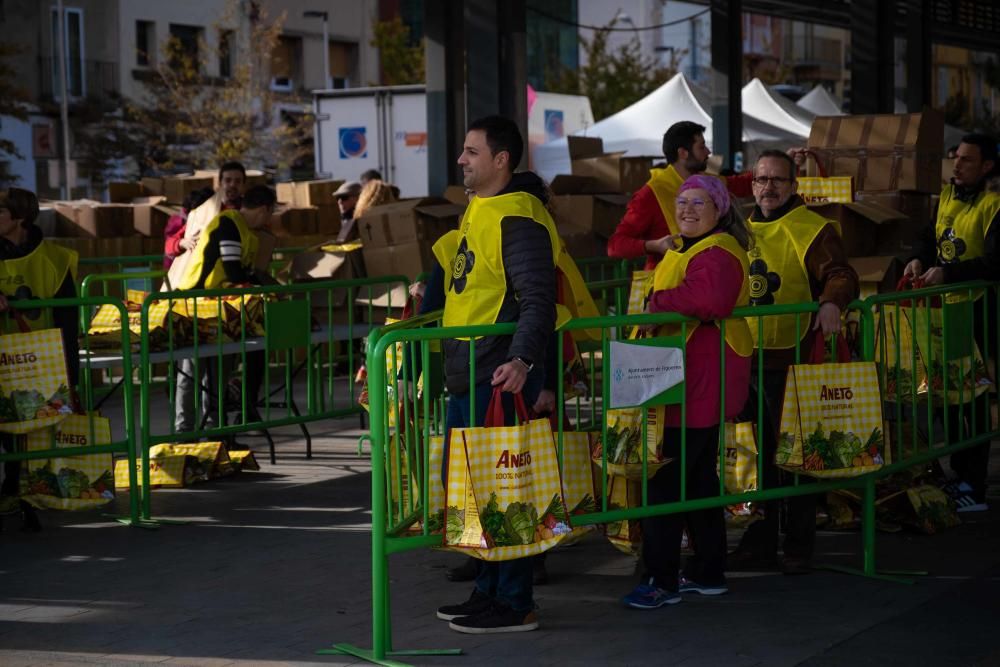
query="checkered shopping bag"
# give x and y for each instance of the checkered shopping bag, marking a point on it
(34, 386)
(504, 494)
(74, 482)
(826, 189)
(741, 457)
(625, 535)
(105, 330)
(831, 421)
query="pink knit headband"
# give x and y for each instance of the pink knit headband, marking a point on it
(713, 186)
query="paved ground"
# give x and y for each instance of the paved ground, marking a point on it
(273, 565)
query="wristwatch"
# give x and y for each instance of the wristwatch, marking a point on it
(527, 364)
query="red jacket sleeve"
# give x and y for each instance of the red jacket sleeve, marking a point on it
(740, 185)
(643, 221)
(709, 290)
(173, 235)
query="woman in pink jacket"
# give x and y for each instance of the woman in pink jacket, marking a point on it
(704, 277)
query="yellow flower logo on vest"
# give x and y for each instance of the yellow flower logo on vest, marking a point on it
(950, 247)
(464, 260)
(763, 283)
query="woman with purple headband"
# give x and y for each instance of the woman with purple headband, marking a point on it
(704, 277)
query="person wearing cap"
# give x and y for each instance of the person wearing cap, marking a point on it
(347, 199)
(703, 275)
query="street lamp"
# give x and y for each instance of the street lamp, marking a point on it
(326, 43)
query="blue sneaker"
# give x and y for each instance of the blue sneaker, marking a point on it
(649, 596)
(686, 585)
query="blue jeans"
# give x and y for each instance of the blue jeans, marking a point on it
(508, 581)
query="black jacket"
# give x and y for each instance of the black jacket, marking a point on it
(65, 319)
(530, 299)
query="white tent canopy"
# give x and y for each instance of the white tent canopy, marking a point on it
(820, 102)
(763, 104)
(638, 129)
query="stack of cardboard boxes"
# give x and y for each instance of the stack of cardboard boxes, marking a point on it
(308, 207)
(588, 204)
(895, 164)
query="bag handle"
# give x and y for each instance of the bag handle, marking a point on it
(819, 163)
(494, 411)
(843, 352)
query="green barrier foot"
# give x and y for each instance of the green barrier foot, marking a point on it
(368, 654)
(361, 443)
(140, 523)
(885, 575)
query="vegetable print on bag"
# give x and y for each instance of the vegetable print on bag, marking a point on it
(504, 493)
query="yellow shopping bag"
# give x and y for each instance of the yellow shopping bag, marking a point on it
(504, 494)
(831, 420)
(212, 456)
(741, 457)
(34, 387)
(75, 482)
(966, 373)
(105, 330)
(577, 480)
(826, 189)
(625, 535)
(625, 442)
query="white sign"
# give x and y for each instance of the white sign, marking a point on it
(641, 372)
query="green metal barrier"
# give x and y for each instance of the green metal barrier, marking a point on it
(126, 445)
(403, 521)
(311, 328)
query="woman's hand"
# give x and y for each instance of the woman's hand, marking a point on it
(660, 246)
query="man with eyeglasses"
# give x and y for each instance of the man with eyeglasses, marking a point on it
(798, 257)
(650, 220)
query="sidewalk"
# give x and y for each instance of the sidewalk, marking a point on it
(275, 564)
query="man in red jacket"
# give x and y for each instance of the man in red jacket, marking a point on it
(649, 219)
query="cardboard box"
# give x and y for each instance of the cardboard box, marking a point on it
(152, 186)
(456, 195)
(84, 247)
(123, 193)
(858, 224)
(407, 222)
(308, 193)
(878, 274)
(150, 215)
(294, 221)
(407, 259)
(176, 188)
(947, 170)
(90, 219)
(614, 172)
(321, 265)
(47, 220)
(899, 238)
(122, 246)
(328, 220)
(582, 244)
(594, 214)
(881, 152)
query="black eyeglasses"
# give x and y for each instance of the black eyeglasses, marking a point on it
(777, 180)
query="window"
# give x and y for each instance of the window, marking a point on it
(184, 46)
(286, 61)
(226, 43)
(145, 43)
(76, 86)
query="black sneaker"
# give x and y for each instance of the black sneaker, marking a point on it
(498, 618)
(476, 604)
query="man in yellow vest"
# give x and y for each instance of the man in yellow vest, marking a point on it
(798, 257)
(33, 268)
(225, 253)
(963, 243)
(650, 219)
(502, 270)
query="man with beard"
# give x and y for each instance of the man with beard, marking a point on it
(649, 219)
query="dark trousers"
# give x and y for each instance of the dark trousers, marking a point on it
(971, 464)
(661, 535)
(761, 538)
(11, 486)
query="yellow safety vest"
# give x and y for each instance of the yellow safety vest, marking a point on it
(37, 275)
(475, 276)
(665, 183)
(217, 276)
(670, 273)
(778, 273)
(961, 227)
